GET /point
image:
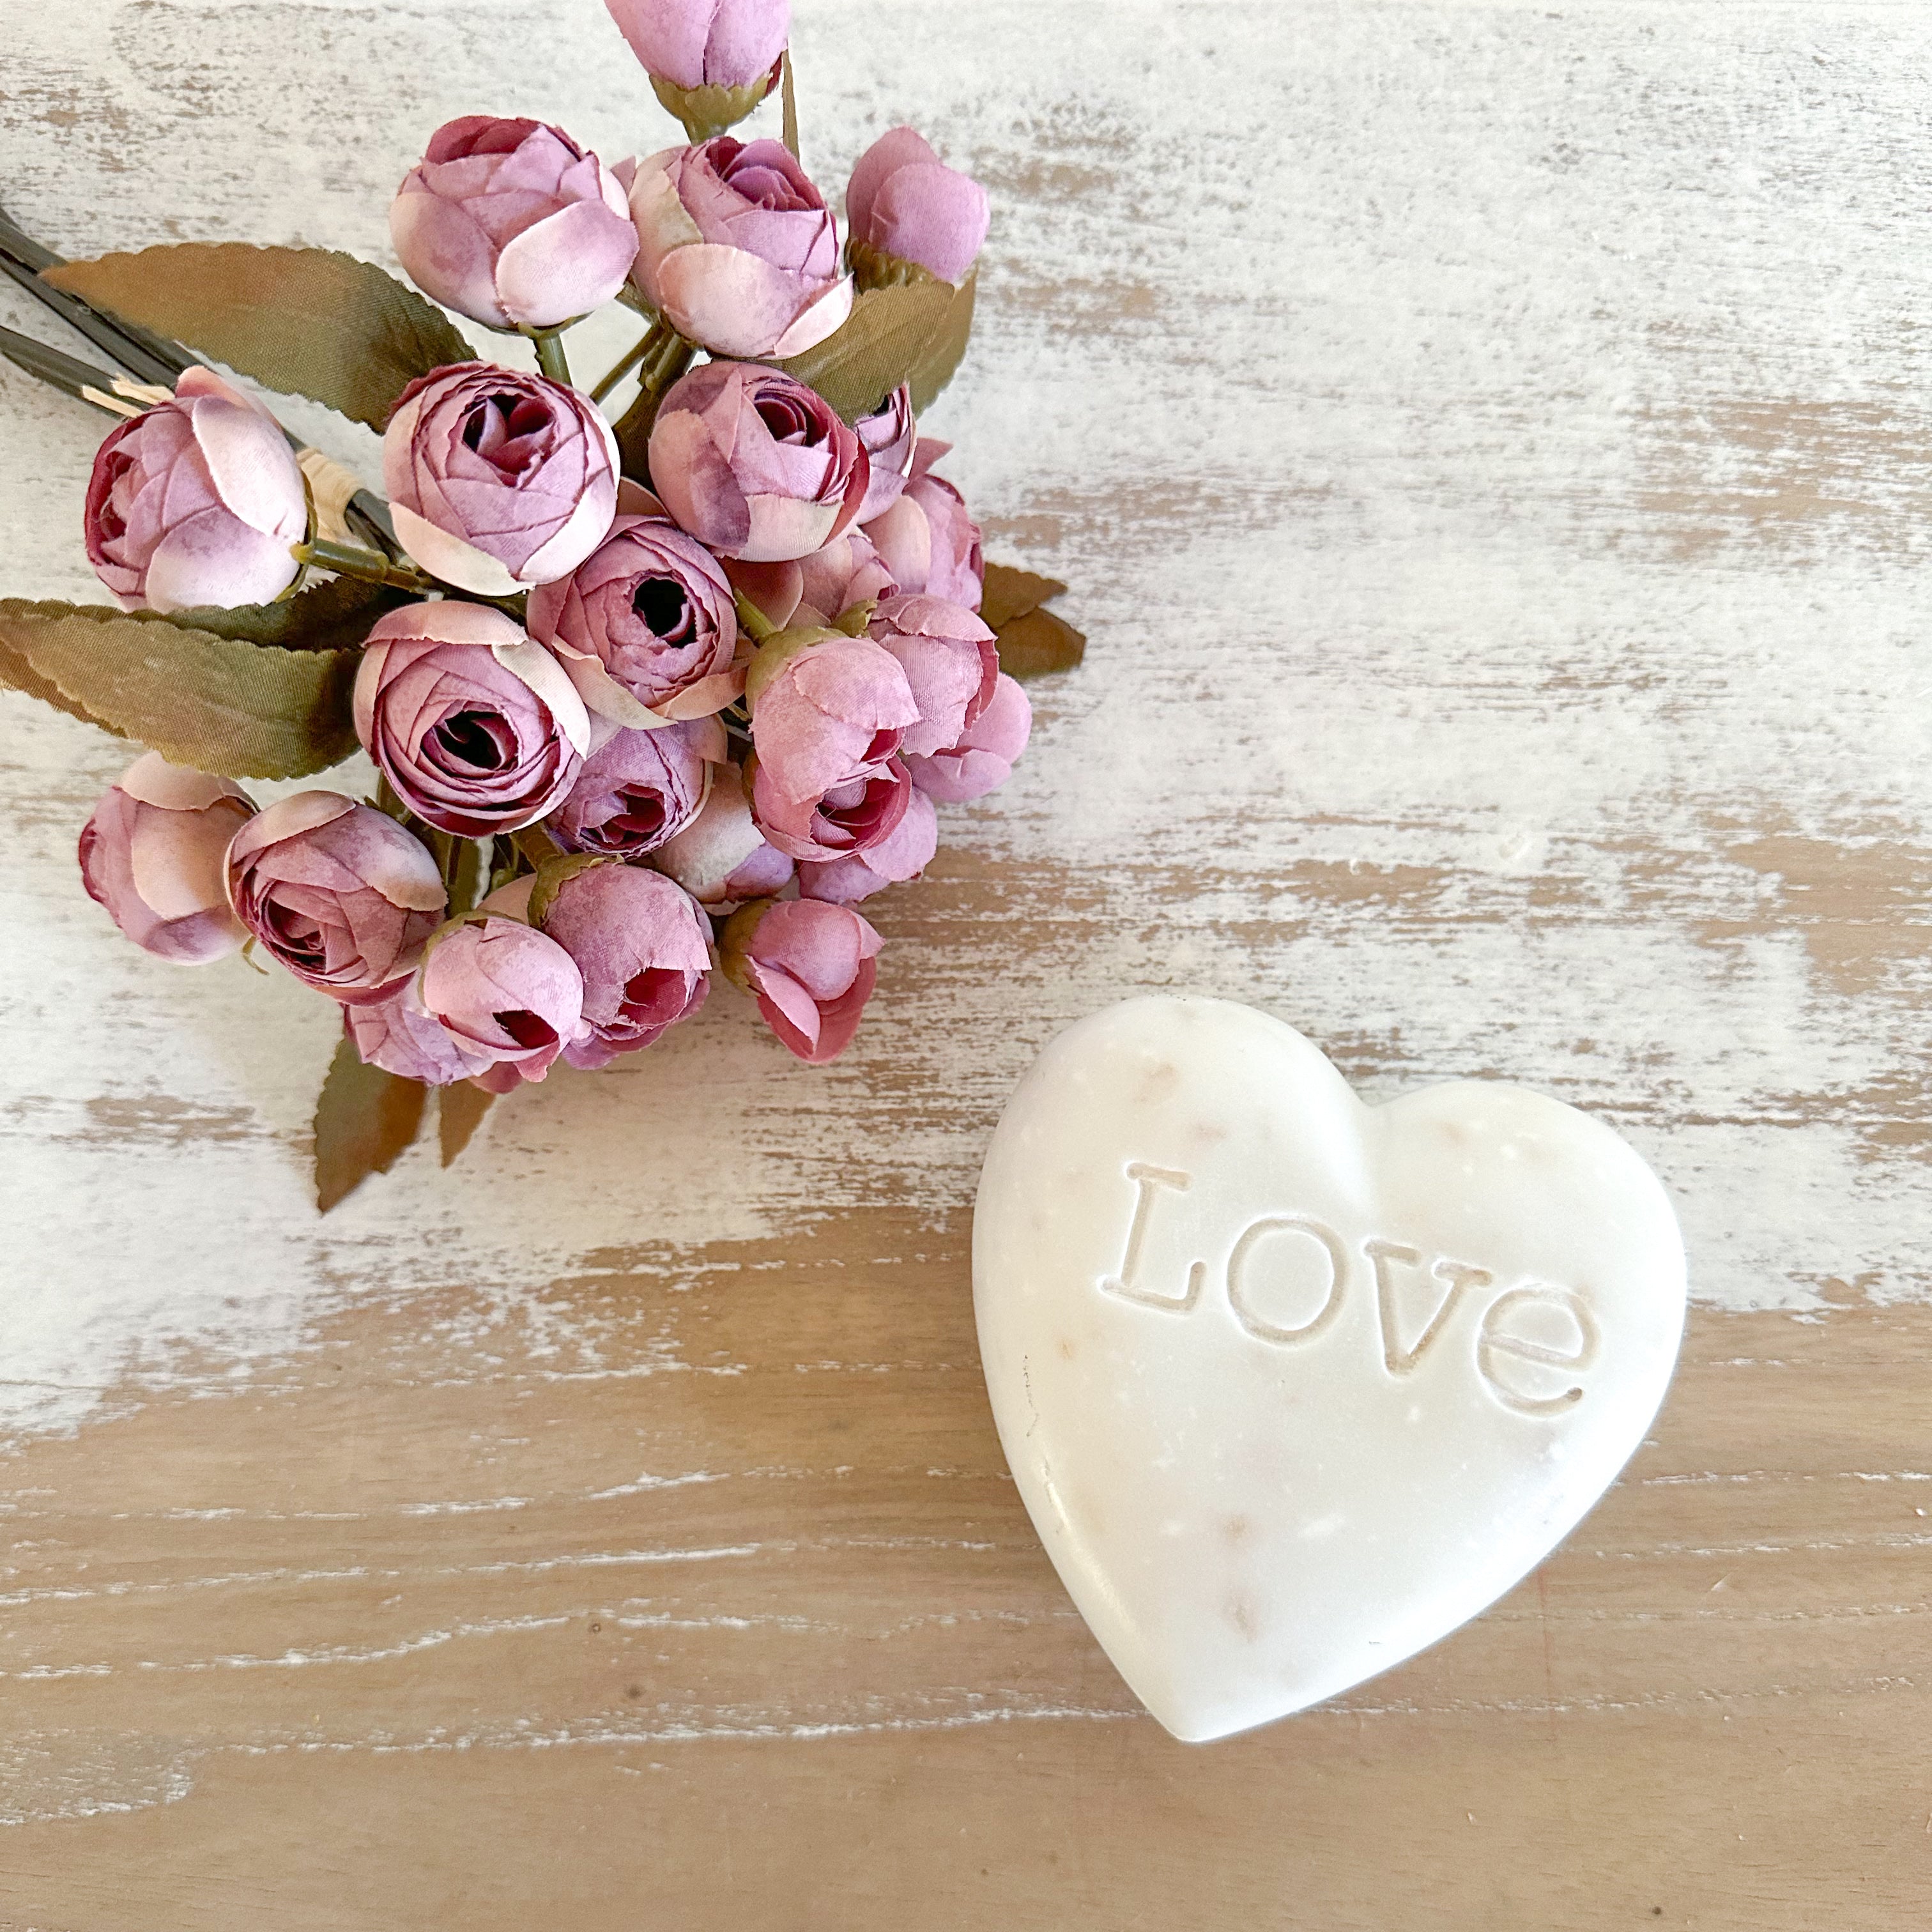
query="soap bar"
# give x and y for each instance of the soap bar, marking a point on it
(1292, 1386)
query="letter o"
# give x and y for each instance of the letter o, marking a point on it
(1325, 1238)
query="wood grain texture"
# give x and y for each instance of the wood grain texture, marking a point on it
(1488, 450)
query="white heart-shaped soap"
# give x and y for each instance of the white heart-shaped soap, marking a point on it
(1293, 1386)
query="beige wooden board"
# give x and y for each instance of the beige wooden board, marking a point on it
(1489, 450)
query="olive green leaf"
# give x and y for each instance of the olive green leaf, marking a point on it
(363, 1119)
(1032, 640)
(337, 613)
(221, 704)
(943, 354)
(888, 331)
(460, 1108)
(307, 322)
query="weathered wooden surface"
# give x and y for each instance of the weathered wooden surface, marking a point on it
(1495, 493)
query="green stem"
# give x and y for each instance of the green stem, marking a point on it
(548, 343)
(647, 344)
(347, 560)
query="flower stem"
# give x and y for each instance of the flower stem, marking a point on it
(645, 345)
(548, 343)
(349, 560)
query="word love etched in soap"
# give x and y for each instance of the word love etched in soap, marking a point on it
(1514, 1355)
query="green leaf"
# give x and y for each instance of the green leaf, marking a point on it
(335, 614)
(460, 1108)
(221, 704)
(1032, 641)
(943, 354)
(307, 322)
(364, 1120)
(883, 340)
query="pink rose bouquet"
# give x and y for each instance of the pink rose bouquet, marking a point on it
(644, 690)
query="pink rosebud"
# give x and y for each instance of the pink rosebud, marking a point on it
(152, 853)
(849, 570)
(754, 464)
(512, 223)
(645, 625)
(337, 892)
(810, 965)
(903, 853)
(904, 202)
(853, 816)
(511, 998)
(636, 789)
(928, 541)
(736, 249)
(196, 502)
(982, 761)
(950, 660)
(720, 857)
(498, 479)
(472, 722)
(705, 43)
(890, 436)
(825, 706)
(395, 1034)
(643, 949)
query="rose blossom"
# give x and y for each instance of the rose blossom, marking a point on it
(754, 464)
(982, 760)
(825, 707)
(950, 660)
(152, 853)
(736, 249)
(395, 1034)
(810, 966)
(890, 436)
(512, 223)
(475, 724)
(511, 998)
(498, 479)
(198, 501)
(636, 789)
(849, 570)
(645, 625)
(726, 43)
(928, 541)
(643, 949)
(854, 815)
(721, 857)
(903, 202)
(337, 892)
(903, 853)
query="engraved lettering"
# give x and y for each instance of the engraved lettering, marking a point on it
(1146, 1179)
(1497, 1347)
(1459, 1277)
(1330, 1244)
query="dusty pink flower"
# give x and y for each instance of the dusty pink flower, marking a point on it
(810, 966)
(903, 201)
(890, 436)
(498, 479)
(720, 857)
(395, 1034)
(849, 570)
(636, 789)
(472, 722)
(337, 892)
(510, 997)
(705, 43)
(950, 660)
(929, 543)
(198, 501)
(903, 853)
(645, 625)
(852, 816)
(982, 760)
(826, 707)
(512, 223)
(643, 949)
(736, 249)
(754, 464)
(152, 852)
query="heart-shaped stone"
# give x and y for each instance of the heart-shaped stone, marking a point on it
(1293, 1386)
